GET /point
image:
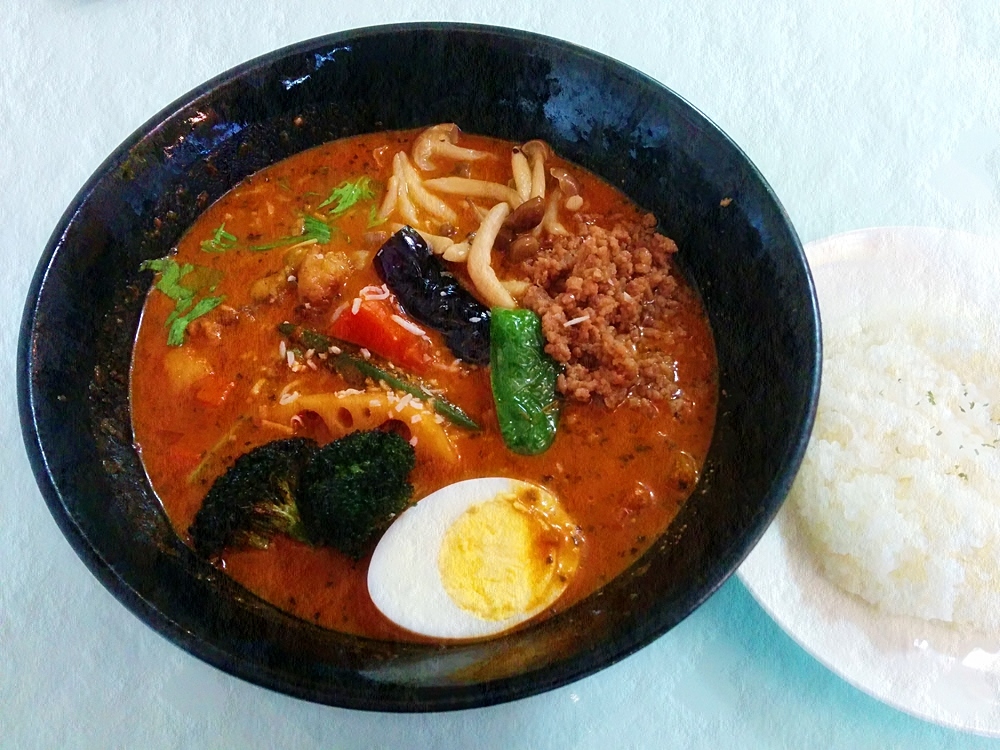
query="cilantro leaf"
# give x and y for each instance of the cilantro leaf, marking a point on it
(374, 219)
(220, 242)
(348, 194)
(183, 284)
(280, 242)
(170, 278)
(312, 229)
(179, 324)
(156, 264)
(315, 228)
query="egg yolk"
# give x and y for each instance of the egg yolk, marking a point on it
(504, 557)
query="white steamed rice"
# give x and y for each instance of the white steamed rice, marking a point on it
(897, 494)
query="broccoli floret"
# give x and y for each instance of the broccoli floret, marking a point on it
(254, 500)
(353, 488)
(341, 495)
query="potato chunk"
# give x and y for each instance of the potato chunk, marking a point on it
(184, 368)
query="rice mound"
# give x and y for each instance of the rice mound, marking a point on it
(897, 494)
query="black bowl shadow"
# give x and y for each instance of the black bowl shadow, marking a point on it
(737, 246)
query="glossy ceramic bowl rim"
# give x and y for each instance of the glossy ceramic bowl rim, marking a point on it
(466, 696)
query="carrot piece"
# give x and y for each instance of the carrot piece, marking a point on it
(375, 325)
(213, 391)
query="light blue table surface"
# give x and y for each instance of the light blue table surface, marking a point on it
(859, 113)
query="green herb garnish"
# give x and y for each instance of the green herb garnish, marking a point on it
(348, 194)
(280, 242)
(312, 229)
(342, 199)
(317, 229)
(178, 326)
(170, 276)
(374, 219)
(183, 284)
(220, 242)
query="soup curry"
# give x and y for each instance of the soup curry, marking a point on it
(213, 377)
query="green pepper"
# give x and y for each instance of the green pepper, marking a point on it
(523, 378)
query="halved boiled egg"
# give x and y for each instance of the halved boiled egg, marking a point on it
(474, 559)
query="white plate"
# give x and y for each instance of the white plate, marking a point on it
(928, 669)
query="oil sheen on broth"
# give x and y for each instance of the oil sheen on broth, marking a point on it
(213, 378)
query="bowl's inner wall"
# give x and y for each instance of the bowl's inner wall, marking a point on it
(78, 335)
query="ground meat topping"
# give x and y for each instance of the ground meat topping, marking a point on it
(603, 295)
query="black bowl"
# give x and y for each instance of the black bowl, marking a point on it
(80, 320)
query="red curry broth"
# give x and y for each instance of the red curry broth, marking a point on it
(621, 474)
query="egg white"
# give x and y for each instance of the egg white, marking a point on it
(404, 580)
